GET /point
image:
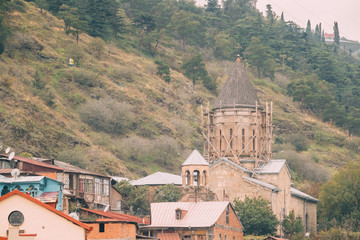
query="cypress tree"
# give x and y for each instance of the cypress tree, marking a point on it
(336, 34)
(308, 29)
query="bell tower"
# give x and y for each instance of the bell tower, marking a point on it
(237, 126)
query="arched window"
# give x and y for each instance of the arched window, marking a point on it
(220, 236)
(225, 237)
(231, 133)
(204, 180)
(187, 178)
(254, 140)
(243, 140)
(220, 140)
(196, 179)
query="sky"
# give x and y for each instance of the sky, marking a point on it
(345, 12)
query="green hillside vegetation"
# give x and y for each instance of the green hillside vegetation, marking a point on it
(130, 105)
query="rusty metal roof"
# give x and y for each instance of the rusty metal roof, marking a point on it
(195, 158)
(168, 236)
(198, 214)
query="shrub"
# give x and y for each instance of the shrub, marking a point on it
(107, 115)
(76, 156)
(163, 70)
(82, 77)
(167, 193)
(97, 47)
(23, 41)
(300, 142)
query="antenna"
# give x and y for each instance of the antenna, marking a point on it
(15, 173)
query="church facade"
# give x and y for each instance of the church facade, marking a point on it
(237, 161)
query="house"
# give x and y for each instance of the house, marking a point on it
(45, 189)
(24, 217)
(108, 228)
(80, 185)
(195, 221)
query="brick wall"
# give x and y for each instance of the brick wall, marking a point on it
(115, 230)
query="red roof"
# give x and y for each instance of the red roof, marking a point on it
(118, 216)
(168, 236)
(61, 214)
(33, 162)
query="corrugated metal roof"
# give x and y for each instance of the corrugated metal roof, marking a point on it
(195, 158)
(32, 161)
(119, 179)
(199, 214)
(22, 179)
(297, 193)
(66, 167)
(158, 178)
(261, 183)
(168, 236)
(229, 162)
(272, 167)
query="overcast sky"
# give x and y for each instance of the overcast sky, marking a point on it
(345, 12)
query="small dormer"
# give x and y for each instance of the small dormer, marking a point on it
(180, 213)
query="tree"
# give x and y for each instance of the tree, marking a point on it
(260, 58)
(163, 70)
(167, 193)
(256, 216)
(291, 225)
(4, 31)
(339, 197)
(308, 30)
(270, 15)
(73, 24)
(194, 69)
(336, 34)
(139, 200)
(212, 6)
(118, 21)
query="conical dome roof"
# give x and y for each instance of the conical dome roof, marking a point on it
(237, 90)
(195, 158)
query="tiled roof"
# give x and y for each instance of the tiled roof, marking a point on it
(261, 183)
(300, 194)
(195, 158)
(272, 167)
(237, 90)
(168, 236)
(118, 216)
(229, 162)
(28, 197)
(158, 178)
(199, 214)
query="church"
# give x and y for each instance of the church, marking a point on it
(237, 160)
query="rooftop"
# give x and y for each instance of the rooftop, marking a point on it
(158, 178)
(199, 214)
(261, 183)
(237, 90)
(300, 194)
(195, 158)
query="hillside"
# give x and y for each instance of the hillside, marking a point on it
(113, 114)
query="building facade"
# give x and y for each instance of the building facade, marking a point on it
(238, 160)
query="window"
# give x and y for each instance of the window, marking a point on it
(225, 237)
(178, 214)
(187, 178)
(106, 187)
(204, 180)
(227, 216)
(88, 186)
(97, 185)
(243, 140)
(220, 140)
(196, 174)
(81, 185)
(101, 227)
(231, 133)
(220, 236)
(118, 204)
(254, 140)
(187, 237)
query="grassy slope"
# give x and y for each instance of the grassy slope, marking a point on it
(29, 125)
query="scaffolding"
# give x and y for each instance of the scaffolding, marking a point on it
(260, 138)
